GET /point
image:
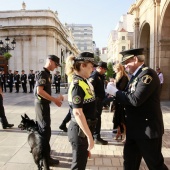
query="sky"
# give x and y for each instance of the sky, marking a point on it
(103, 15)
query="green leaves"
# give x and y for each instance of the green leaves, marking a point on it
(7, 56)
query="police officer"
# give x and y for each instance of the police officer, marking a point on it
(16, 81)
(81, 99)
(24, 81)
(97, 78)
(3, 81)
(57, 79)
(3, 118)
(10, 80)
(31, 79)
(43, 99)
(144, 120)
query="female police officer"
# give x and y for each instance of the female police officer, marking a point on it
(82, 105)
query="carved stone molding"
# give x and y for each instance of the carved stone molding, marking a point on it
(136, 23)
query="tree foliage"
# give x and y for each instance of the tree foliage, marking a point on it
(7, 55)
(110, 71)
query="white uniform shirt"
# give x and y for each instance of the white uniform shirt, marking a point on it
(161, 77)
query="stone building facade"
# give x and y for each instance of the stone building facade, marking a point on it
(152, 32)
(38, 33)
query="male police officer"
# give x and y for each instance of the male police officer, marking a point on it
(97, 79)
(24, 81)
(3, 81)
(16, 81)
(144, 121)
(10, 80)
(3, 118)
(31, 78)
(43, 99)
(57, 79)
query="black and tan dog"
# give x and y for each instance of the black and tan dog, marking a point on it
(36, 142)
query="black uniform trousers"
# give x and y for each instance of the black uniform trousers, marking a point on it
(3, 85)
(42, 111)
(31, 86)
(57, 87)
(2, 113)
(17, 87)
(67, 118)
(149, 149)
(99, 106)
(10, 84)
(24, 87)
(79, 147)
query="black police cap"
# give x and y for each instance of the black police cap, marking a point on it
(131, 53)
(102, 64)
(55, 59)
(86, 56)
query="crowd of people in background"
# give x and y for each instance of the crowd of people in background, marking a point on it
(14, 80)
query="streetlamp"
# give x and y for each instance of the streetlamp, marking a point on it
(5, 48)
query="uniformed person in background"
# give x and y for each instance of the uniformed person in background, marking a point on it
(24, 81)
(31, 79)
(160, 75)
(97, 78)
(16, 81)
(57, 79)
(143, 114)
(10, 80)
(3, 118)
(43, 98)
(3, 81)
(81, 99)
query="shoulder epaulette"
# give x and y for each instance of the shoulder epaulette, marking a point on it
(145, 68)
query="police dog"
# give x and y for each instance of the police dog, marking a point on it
(36, 142)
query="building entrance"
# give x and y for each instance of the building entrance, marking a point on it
(3, 64)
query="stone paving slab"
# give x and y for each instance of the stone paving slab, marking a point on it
(14, 149)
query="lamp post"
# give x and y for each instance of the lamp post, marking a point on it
(5, 48)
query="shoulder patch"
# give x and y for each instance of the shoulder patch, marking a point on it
(147, 79)
(42, 81)
(76, 99)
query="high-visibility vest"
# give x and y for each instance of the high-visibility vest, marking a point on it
(87, 88)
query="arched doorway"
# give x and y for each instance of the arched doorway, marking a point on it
(144, 41)
(3, 64)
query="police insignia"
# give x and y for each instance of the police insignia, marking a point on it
(76, 99)
(90, 80)
(42, 81)
(75, 81)
(146, 79)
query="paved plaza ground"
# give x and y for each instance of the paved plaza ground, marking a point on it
(14, 149)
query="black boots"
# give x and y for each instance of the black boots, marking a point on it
(5, 123)
(63, 127)
(7, 126)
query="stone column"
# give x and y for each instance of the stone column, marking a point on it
(156, 27)
(136, 33)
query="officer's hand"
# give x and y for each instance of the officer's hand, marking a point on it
(90, 143)
(58, 101)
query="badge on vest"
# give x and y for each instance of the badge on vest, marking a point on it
(133, 85)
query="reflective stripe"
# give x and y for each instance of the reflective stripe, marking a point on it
(89, 93)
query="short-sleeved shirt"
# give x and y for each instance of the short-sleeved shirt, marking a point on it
(43, 79)
(78, 101)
